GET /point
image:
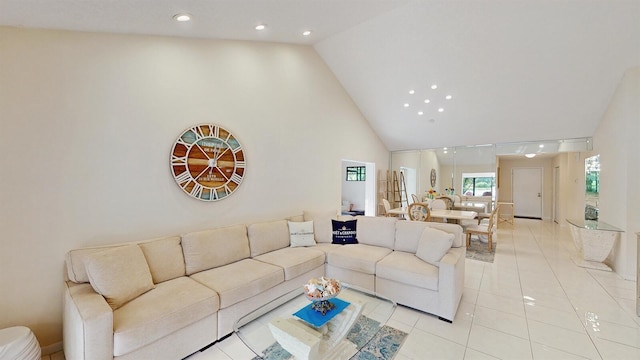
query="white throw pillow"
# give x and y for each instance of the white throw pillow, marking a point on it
(301, 233)
(433, 245)
(120, 274)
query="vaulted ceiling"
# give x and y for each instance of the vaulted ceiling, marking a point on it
(516, 70)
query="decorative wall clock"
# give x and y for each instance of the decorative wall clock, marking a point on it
(433, 177)
(207, 162)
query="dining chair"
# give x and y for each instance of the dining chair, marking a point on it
(387, 207)
(485, 229)
(438, 204)
(449, 201)
(415, 198)
(457, 200)
(419, 212)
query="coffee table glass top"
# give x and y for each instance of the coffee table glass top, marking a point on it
(273, 327)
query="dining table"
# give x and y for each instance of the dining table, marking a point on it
(453, 214)
(456, 215)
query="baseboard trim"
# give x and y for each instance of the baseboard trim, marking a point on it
(50, 349)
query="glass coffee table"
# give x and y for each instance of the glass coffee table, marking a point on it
(274, 332)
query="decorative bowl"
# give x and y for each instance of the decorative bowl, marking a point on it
(320, 291)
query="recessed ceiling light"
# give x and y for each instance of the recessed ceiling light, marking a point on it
(530, 155)
(182, 17)
(411, 92)
(406, 104)
(306, 32)
(261, 27)
(434, 86)
(448, 97)
(444, 148)
(440, 109)
(541, 146)
(420, 113)
(426, 101)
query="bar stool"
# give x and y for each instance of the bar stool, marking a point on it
(19, 343)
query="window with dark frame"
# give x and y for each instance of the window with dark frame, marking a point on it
(356, 173)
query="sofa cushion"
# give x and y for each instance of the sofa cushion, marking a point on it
(433, 245)
(301, 233)
(119, 274)
(165, 258)
(408, 269)
(357, 257)
(408, 235)
(240, 280)
(455, 229)
(295, 261)
(268, 236)
(321, 224)
(171, 306)
(212, 248)
(376, 230)
(344, 232)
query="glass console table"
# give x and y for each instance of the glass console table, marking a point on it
(594, 240)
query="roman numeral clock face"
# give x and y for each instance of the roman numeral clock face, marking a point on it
(207, 162)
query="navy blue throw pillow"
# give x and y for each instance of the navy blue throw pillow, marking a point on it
(344, 232)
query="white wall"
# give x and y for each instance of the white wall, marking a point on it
(616, 140)
(87, 124)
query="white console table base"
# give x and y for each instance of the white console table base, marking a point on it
(594, 246)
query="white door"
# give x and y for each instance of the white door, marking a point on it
(527, 192)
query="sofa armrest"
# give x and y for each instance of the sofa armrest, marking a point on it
(87, 323)
(451, 281)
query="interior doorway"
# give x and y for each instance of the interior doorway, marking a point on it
(527, 192)
(358, 187)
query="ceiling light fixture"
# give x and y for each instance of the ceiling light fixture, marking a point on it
(182, 17)
(448, 97)
(434, 86)
(306, 32)
(420, 113)
(411, 92)
(541, 146)
(426, 101)
(406, 104)
(261, 27)
(530, 156)
(441, 110)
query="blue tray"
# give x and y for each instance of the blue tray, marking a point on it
(315, 318)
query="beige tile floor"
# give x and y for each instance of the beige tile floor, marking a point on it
(533, 302)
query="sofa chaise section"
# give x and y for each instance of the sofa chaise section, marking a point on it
(435, 289)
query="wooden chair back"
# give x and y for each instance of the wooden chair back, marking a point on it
(419, 212)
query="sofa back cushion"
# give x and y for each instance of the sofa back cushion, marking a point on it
(408, 234)
(268, 236)
(322, 229)
(213, 248)
(75, 259)
(120, 274)
(376, 231)
(165, 258)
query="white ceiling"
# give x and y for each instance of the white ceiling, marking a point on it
(518, 70)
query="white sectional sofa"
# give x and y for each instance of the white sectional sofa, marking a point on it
(167, 298)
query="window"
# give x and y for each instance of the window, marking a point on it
(356, 173)
(478, 184)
